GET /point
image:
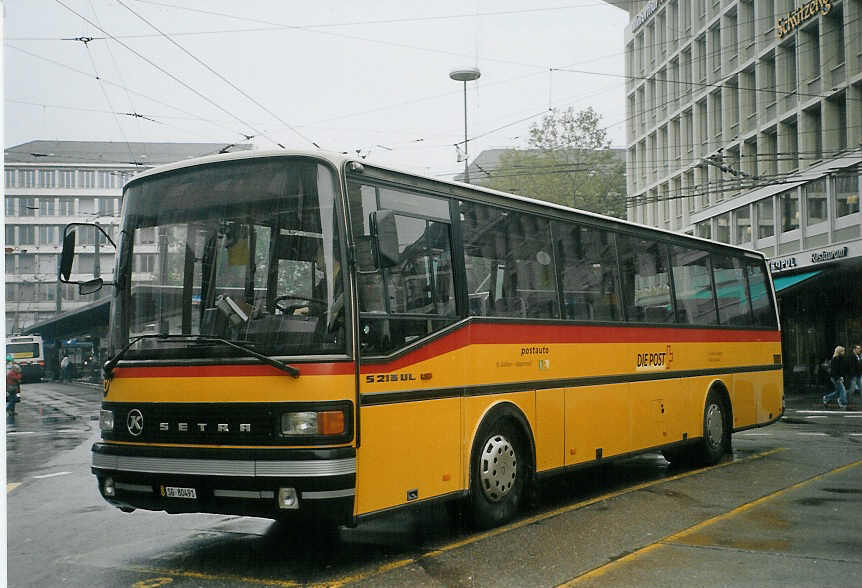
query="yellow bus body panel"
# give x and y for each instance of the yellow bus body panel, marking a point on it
(225, 389)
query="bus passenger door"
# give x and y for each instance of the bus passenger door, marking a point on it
(411, 368)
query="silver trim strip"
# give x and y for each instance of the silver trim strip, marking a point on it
(226, 467)
(133, 487)
(329, 494)
(262, 494)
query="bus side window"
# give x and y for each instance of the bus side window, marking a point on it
(644, 272)
(695, 304)
(509, 262)
(415, 297)
(760, 295)
(588, 272)
(729, 276)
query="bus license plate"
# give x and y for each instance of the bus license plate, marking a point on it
(175, 492)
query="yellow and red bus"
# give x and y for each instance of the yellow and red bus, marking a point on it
(296, 333)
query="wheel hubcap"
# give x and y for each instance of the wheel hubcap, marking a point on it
(714, 426)
(498, 468)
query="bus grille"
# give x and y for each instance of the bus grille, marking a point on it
(202, 424)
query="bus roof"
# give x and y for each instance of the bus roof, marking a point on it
(340, 160)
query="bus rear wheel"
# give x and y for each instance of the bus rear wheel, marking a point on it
(498, 473)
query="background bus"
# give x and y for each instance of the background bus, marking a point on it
(28, 352)
(323, 337)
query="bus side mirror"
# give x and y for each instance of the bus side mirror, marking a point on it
(67, 256)
(385, 234)
(90, 286)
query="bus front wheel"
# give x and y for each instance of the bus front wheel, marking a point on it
(716, 430)
(499, 473)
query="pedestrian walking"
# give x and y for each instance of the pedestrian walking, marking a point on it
(837, 374)
(855, 369)
(66, 368)
(13, 389)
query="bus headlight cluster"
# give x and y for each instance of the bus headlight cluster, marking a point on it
(106, 420)
(328, 422)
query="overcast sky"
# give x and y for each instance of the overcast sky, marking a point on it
(372, 76)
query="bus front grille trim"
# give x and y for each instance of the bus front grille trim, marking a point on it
(225, 467)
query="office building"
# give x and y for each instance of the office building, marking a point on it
(745, 126)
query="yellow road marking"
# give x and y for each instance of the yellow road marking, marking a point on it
(394, 565)
(336, 583)
(152, 583)
(601, 570)
(215, 577)
(11, 486)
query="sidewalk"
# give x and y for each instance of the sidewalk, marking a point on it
(811, 399)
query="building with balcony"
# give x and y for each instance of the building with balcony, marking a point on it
(744, 125)
(52, 183)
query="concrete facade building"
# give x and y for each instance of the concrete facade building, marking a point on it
(49, 184)
(745, 126)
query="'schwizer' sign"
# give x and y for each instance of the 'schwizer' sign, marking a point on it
(808, 10)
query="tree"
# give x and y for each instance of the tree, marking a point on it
(568, 162)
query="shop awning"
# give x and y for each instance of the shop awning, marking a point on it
(784, 282)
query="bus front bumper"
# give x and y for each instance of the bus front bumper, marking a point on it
(271, 483)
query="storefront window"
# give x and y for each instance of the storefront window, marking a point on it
(815, 202)
(742, 225)
(704, 229)
(846, 194)
(789, 207)
(765, 219)
(722, 232)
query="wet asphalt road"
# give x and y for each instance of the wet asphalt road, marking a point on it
(785, 510)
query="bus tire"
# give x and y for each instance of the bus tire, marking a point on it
(716, 430)
(499, 471)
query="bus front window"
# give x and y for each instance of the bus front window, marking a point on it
(244, 251)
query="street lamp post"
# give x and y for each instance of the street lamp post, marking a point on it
(465, 75)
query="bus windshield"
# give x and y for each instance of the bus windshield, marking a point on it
(247, 251)
(23, 350)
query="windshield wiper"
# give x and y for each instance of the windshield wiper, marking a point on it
(108, 367)
(264, 358)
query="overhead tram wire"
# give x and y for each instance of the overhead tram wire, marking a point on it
(167, 73)
(221, 77)
(561, 69)
(312, 28)
(580, 167)
(307, 29)
(191, 115)
(698, 84)
(718, 84)
(120, 74)
(417, 19)
(153, 118)
(86, 41)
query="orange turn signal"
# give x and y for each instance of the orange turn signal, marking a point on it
(330, 422)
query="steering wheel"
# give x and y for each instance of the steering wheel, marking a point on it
(308, 302)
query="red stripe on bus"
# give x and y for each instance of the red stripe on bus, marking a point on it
(474, 334)
(503, 334)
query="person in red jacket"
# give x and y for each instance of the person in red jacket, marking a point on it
(13, 387)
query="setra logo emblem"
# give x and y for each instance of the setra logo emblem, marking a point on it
(135, 422)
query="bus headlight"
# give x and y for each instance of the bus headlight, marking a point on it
(328, 422)
(106, 420)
